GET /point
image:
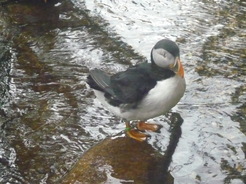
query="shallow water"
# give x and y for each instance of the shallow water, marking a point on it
(49, 117)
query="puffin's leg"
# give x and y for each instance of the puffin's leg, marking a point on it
(135, 134)
(141, 125)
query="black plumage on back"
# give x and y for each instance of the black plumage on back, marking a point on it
(130, 86)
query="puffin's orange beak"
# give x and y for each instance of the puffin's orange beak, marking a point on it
(180, 69)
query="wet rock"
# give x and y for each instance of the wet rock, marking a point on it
(119, 160)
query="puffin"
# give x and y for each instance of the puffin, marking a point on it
(143, 91)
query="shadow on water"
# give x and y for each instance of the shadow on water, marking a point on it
(48, 117)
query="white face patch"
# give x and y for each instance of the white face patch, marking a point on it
(162, 58)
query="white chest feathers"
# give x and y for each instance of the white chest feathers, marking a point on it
(165, 95)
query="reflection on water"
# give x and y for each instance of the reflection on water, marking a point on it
(49, 117)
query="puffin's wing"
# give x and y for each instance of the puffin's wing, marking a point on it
(131, 85)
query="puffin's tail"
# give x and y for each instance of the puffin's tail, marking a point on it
(99, 80)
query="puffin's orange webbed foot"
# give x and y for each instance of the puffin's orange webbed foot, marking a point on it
(135, 134)
(148, 126)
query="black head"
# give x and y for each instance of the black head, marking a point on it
(169, 46)
(165, 53)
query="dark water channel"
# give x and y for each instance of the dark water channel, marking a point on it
(48, 115)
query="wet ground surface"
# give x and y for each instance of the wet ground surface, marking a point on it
(49, 116)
